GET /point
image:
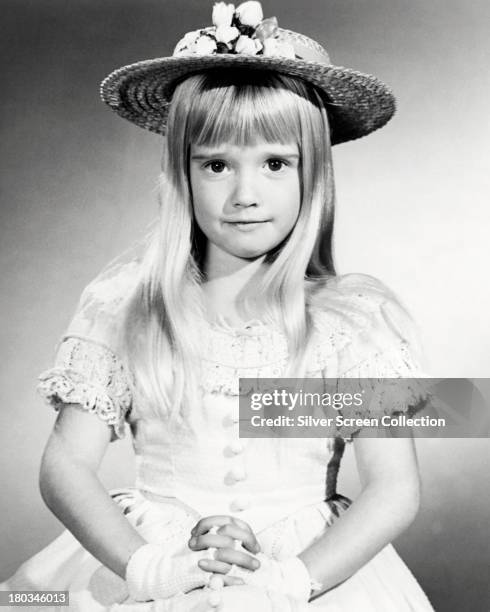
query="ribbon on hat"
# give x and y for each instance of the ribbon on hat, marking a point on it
(302, 52)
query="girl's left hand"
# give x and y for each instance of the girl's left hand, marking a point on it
(227, 530)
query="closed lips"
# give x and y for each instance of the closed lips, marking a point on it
(247, 226)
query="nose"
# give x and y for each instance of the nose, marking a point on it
(245, 192)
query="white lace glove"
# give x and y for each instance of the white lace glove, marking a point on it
(289, 577)
(152, 574)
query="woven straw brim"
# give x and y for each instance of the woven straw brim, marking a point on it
(141, 92)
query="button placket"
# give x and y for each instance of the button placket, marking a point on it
(237, 472)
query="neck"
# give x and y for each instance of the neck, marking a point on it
(229, 280)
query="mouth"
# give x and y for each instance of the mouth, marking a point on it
(247, 225)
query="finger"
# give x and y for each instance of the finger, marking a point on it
(210, 540)
(237, 557)
(214, 566)
(205, 524)
(232, 580)
(217, 581)
(247, 538)
(242, 524)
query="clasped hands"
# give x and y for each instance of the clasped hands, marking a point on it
(289, 577)
(225, 534)
(152, 573)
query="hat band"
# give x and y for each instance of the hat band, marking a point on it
(309, 55)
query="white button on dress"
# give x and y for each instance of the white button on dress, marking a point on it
(237, 447)
(230, 420)
(241, 502)
(238, 473)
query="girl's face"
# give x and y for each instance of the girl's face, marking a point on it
(246, 198)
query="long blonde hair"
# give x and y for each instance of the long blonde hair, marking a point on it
(166, 309)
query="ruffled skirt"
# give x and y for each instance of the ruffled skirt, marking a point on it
(383, 585)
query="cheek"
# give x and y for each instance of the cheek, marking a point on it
(204, 203)
(288, 201)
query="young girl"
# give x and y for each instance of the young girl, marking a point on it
(237, 282)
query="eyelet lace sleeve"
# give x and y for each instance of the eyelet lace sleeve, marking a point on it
(379, 340)
(88, 371)
(90, 375)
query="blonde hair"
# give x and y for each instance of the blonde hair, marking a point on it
(166, 309)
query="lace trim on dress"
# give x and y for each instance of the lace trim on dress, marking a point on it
(261, 351)
(393, 396)
(88, 374)
(233, 353)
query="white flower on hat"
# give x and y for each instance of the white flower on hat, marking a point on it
(184, 46)
(204, 45)
(223, 14)
(246, 46)
(278, 48)
(250, 13)
(226, 34)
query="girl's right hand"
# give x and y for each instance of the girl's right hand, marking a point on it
(225, 534)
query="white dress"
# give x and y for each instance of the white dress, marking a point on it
(197, 466)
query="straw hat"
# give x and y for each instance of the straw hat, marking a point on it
(357, 103)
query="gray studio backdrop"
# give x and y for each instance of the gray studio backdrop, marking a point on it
(78, 187)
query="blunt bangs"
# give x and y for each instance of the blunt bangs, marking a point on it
(243, 107)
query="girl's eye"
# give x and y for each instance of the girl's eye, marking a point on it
(275, 165)
(216, 166)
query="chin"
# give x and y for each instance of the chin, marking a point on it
(246, 251)
(249, 253)
(250, 249)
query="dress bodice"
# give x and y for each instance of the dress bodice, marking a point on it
(199, 459)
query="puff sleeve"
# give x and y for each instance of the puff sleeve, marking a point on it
(87, 369)
(376, 341)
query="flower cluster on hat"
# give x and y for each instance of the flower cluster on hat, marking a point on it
(241, 30)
